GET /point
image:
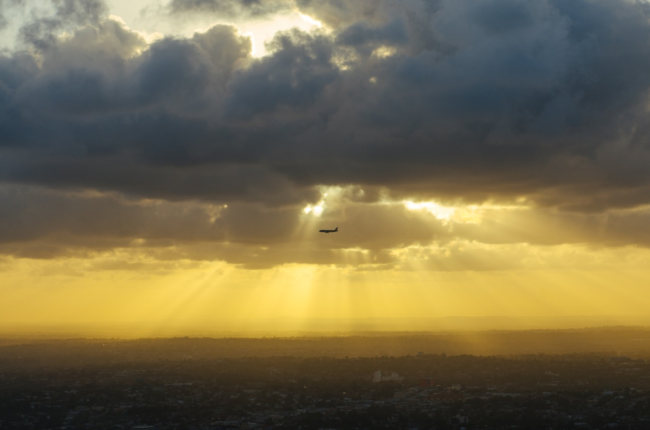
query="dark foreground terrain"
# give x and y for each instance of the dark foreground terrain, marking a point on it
(219, 384)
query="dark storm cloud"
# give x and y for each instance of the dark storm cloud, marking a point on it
(225, 184)
(295, 77)
(499, 97)
(29, 214)
(170, 73)
(460, 101)
(365, 39)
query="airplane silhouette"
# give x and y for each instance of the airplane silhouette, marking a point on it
(329, 231)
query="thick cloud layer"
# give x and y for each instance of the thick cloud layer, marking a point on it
(41, 223)
(458, 101)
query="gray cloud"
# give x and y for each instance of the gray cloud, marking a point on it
(294, 77)
(461, 101)
(40, 223)
(91, 221)
(41, 30)
(230, 8)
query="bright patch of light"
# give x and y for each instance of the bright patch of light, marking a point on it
(319, 207)
(355, 250)
(318, 210)
(315, 209)
(463, 214)
(384, 52)
(443, 213)
(148, 37)
(263, 30)
(310, 20)
(255, 51)
(214, 212)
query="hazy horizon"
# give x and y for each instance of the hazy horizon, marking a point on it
(327, 327)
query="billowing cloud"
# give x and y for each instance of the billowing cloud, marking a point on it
(41, 30)
(464, 102)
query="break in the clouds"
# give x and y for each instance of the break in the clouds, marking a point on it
(462, 102)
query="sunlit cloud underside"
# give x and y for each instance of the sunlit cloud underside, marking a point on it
(306, 275)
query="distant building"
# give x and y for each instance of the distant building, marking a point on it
(381, 376)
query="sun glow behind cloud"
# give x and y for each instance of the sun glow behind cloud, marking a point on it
(439, 211)
(141, 13)
(316, 209)
(310, 20)
(159, 282)
(206, 201)
(262, 31)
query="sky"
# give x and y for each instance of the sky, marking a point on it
(172, 161)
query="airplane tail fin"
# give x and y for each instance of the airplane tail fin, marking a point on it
(336, 229)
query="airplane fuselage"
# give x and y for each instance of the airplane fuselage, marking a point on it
(329, 231)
